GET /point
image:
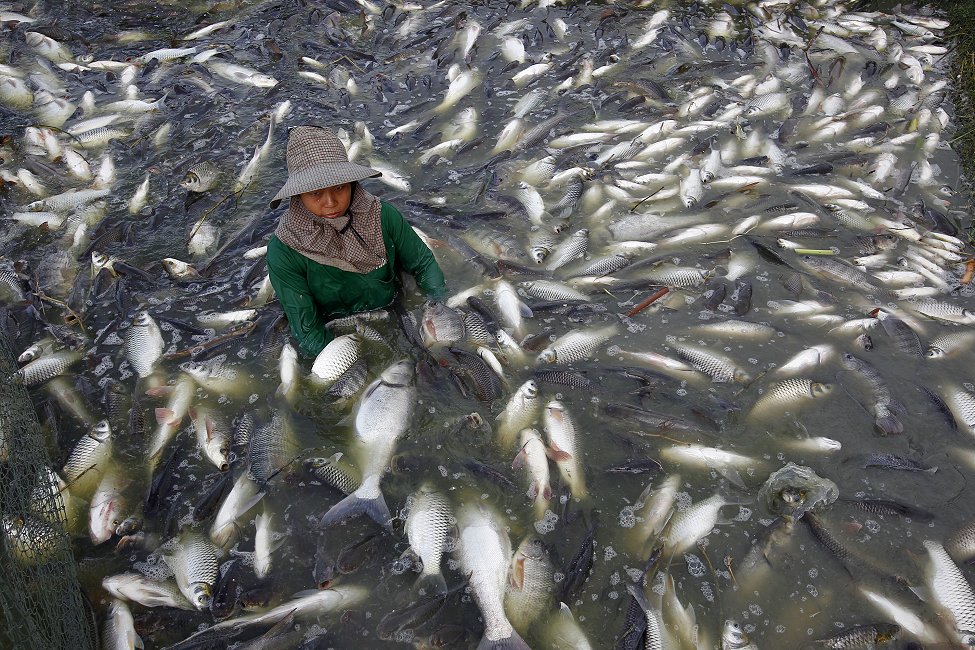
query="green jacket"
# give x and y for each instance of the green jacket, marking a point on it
(313, 294)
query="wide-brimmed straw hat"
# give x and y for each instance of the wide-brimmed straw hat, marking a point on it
(316, 158)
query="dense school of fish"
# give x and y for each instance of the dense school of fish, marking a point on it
(678, 237)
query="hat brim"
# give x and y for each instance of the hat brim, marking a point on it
(320, 176)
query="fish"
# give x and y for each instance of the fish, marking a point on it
(720, 368)
(531, 584)
(108, 509)
(441, 324)
(861, 636)
(384, 415)
(563, 446)
(144, 343)
(519, 413)
(532, 456)
(193, 561)
(243, 496)
(885, 407)
(733, 637)
(118, 630)
(47, 367)
(577, 345)
(336, 359)
(485, 556)
(428, 523)
(137, 588)
(687, 526)
(787, 395)
(212, 435)
(951, 591)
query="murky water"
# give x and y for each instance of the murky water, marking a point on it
(375, 68)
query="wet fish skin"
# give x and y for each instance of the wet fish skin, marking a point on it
(887, 507)
(194, 563)
(520, 412)
(385, 413)
(336, 358)
(861, 636)
(530, 584)
(885, 408)
(428, 523)
(563, 445)
(952, 591)
(891, 461)
(484, 553)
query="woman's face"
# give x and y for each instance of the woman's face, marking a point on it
(328, 202)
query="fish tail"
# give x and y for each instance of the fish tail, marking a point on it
(513, 642)
(430, 583)
(354, 504)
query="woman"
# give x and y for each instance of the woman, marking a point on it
(337, 249)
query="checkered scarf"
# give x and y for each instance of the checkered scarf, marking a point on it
(357, 247)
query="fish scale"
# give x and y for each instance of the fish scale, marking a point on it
(427, 524)
(949, 343)
(40, 370)
(884, 406)
(530, 583)
(194, 564)
(719, 368)
(336, 358)
(568, 250)
(351, 381)
(143, 343)
(676, 277)
(785, 394)
(606, 265)
(551, 290)
(950, 588)
(577, 345)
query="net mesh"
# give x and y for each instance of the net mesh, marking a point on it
(42, 603)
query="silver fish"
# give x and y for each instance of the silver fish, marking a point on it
(577, 345)
(718, 367)
(201, 177)
(193, 561)
(530, 584)
(143, 343)
(952, 591)
(787, 395)
(336, 358)
(563, 443)
(428, 521)
(44, 368)
(484, 553)
(385, 414)
(520, 412)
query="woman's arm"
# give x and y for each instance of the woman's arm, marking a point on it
(291, 287)
(413, 254)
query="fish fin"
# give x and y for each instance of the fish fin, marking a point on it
(922, 592)
(211, 426)
(533, 491)
(353, 505)
(138, 642)
(557, 454)
(731, 475)
(520, 459)
(516, 578)
(525, 310)
(513, 642)
(887, 424)
(431, 583)
(164, 415)
(547, 491)
(159, 391)
(897, 408)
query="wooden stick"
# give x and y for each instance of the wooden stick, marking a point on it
(657, 295)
